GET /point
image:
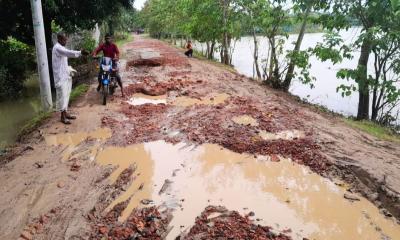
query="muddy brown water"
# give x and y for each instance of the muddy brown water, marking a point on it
(245, 120)
(182, 101)
(72, 140)
(282, 194)
(140, 99)
(214, 99)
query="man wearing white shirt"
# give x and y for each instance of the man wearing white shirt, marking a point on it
(62, 75)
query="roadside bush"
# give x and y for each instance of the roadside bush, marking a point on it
(86, 42)
(16, 61)
(118, 36)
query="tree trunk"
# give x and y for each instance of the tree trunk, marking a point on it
(225, 44)
(208, 49)
(271, 60)
(211, 56)
(221, 53)
(374, 114)
(290, 72)
(256, 65)
(362, 80)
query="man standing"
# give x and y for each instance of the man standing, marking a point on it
(109, 50)
(62, 75)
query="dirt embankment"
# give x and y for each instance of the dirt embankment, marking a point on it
(56, 190)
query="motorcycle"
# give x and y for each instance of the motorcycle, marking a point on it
(108, 79)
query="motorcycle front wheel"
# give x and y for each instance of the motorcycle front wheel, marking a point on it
(105, 94)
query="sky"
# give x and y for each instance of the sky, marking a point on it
(139, 4)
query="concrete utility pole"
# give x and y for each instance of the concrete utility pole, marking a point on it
(41, 53)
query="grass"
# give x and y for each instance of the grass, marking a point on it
(372, 128)
(121, 42)
(381, 132)
(78, 91)
(124, 41)
(34, 123)
(199, 55)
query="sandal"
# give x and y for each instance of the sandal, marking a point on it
(71, 117)
(66, 121)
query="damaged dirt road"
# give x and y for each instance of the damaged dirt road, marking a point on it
(197, 151)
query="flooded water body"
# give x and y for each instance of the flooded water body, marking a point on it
(14, 113)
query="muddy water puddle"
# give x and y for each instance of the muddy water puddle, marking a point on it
(215, 99)
(282, 194)
(245, 120)
(72, 140)
(141, 99)
(183, 101)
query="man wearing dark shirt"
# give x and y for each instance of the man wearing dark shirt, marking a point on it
(110, 50)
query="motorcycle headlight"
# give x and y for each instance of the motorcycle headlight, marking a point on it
(106, 68)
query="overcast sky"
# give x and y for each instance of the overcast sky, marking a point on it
(139, 4)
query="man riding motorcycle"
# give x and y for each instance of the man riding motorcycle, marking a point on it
(110, 50)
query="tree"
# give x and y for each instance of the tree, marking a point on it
(16, 18)
(385, 93)
(372, 15)
(303, 8)
(204, 24)
(269, 19)
(253, 11)
(207, 21)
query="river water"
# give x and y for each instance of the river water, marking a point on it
(324, 92)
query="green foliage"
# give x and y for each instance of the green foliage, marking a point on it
(301, 59)
(72, 15)
(332, 48)
(123, 38)
(33, 124)
(86, 42)
(55, 28)
(209, 21)
(126, 20)
(78, 91)
(379, 131)
(379, 37)
(17, 59)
